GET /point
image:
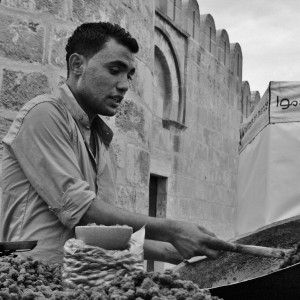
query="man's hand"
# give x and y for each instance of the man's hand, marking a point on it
(193, 240)
(161, 251)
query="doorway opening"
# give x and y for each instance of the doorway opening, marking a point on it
(157, 208)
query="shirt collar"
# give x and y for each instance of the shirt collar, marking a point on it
(67, 98)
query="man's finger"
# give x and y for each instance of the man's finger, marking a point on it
(219, 244)
(210, 253)
(203, 229)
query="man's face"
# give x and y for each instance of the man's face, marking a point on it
(105, 79)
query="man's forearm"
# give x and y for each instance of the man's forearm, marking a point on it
(104, 213)
(188, 238)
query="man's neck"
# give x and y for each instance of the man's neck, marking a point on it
(72, 86)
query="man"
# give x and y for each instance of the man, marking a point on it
(56, 167)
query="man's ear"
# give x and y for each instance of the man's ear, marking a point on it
(76, 62)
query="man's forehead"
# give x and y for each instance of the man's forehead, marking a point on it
(115, 51)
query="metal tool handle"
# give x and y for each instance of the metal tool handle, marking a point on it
(259, 250)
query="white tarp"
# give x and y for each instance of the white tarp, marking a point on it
(269, 165)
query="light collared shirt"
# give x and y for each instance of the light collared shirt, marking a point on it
(49, 174)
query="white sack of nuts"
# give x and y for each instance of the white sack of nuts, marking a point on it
(89, 266)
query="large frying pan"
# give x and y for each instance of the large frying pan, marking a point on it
(238, 276)
(9, 247)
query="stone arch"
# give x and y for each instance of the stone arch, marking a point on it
(208, 33)
(255, 98)
(191, 17)
(223, 46)
(236, 58)
(245, 99)
(166, 60)
(162, 102)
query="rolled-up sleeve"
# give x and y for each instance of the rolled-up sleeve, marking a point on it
(43, 144)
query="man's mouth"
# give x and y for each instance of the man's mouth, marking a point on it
(117, 98)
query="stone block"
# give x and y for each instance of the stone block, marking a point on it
(219, 158)
(217, 176)
(185, 187)
(178, 164)
(91, 11)
(119, 150)
(219, 195)
(144, 34)
(212, 138)
(204, 211)
(198, 168)
(233, 181)
(130, 119)
(200, 152)
(126, 198)
(147, 86)
(171, 187)
(133, 199)
(223, 196)
(233, 163)
(54, 7)
(143, 7)
(137, 166)
(185, 208)
(228, 214)
(161, 139)
(142, 82)
(142, 200)
(178, 16)
(202, 115)
(59, 39)
(170, 9)
(200, 190)
(21, 39)
(231, 198)
(176, 143)
(172, 208)
(6, 119)
(215, 121)
(19, 87)
(216, 212)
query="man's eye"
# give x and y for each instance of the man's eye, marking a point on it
(114, 71)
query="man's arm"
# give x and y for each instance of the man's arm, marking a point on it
(41, 141)
(189, 239)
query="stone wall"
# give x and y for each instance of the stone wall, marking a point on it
(200, 142)
(249, 100)
(179, 121)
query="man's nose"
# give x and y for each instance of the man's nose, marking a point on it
(123, 83)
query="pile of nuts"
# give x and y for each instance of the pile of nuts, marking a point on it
(28, 278)
(31, 279)
(24, 279)
(292, 258)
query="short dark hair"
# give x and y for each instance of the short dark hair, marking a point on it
(89, 38)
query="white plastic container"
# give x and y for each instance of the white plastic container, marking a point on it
(107, 237)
